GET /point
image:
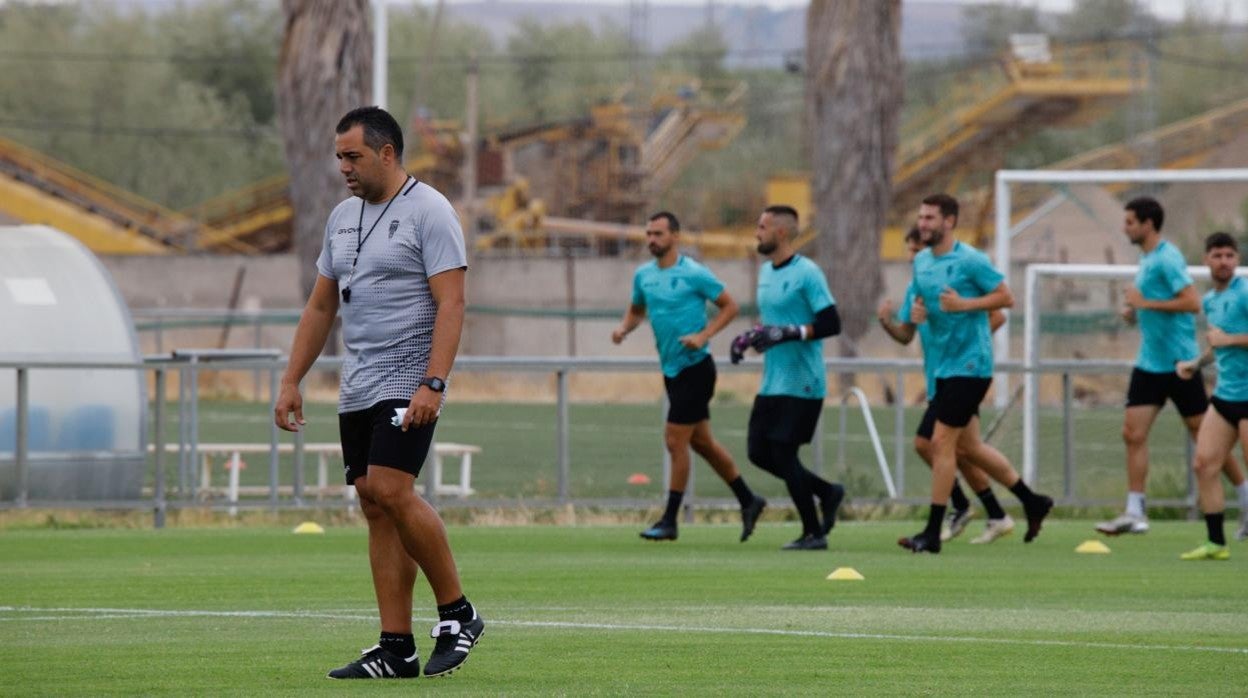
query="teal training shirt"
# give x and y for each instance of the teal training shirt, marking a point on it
(792, 295)
(1227, 310)
(1164, 337)
(675, 301)
(925, 340)
(957, 344)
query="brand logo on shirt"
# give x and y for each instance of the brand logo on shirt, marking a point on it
(344, 231)
(394, 226)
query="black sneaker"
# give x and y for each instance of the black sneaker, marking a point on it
(660, 531)
(377, 663)
(807, 542)
(749, 516)
(454, 640)
(1035, 516)
(828, 507)
(921, 543)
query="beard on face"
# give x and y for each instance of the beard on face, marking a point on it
(658, 251)
(766, 247)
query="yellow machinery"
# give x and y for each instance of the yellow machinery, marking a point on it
(37, 189)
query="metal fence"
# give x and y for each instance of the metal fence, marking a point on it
(188, 366)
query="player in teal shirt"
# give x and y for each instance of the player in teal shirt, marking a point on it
(798, 311)
(1163, 302)
(903, 331)
(959, 287)
(673, 291)
(1226, 421)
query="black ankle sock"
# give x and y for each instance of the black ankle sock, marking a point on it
(742, 490)
(399, 645)
(673, 507)
(991, 505)
(1023, 492)
(459, 609)
(935, 517)
(958, 498)
(1213, 522)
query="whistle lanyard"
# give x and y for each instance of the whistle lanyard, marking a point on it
(359, 241)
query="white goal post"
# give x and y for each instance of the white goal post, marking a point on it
(1004, 234)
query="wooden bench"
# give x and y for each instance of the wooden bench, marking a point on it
(233, 457)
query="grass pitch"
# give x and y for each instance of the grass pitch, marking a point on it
(594, 610)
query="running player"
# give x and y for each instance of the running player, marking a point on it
(1226, 420)
(798, 311)
(999, 523)
(1163, 302)
(959, 287)
(673, 290)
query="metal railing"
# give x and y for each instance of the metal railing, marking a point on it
(188, 365)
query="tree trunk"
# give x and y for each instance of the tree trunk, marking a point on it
(324, 71)
(853, 99)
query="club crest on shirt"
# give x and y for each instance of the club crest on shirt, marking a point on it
(394, 226)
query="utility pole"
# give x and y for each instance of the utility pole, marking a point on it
(470, 138)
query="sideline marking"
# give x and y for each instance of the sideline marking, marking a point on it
(133, 613)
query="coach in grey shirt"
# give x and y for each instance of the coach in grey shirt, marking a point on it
(393, 263)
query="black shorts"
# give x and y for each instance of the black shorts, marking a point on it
(927, 425)
(1148, 388)
(784, 418)
(368, 438)
(1233, 411)
(689, 393)
(957, 399)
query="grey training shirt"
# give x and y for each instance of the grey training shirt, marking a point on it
(388, 325)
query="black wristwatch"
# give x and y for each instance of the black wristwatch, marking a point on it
(437, 385)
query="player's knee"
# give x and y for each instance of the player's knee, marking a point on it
(1205, 465)
(923, 447)
(1133, 435)
(368, 506)
(675, 441)
(758, 454)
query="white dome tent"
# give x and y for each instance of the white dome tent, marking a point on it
(85, 427)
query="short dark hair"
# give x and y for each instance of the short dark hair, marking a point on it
(1146, 208)
(672, 223)
(914, 234)
(379, 128)
(947, 204)
(783, 210)
(1220, 239)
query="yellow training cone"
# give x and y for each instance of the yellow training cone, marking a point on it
(1092, 546)
(309, 527)
(845, 574)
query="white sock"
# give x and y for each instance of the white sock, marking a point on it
(1135, 504)
(1242, 489)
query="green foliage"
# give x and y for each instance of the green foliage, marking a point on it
(93, 86)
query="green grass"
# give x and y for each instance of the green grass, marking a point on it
(610, 442)
(593, 610)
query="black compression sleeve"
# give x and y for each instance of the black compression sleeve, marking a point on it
(827, 323)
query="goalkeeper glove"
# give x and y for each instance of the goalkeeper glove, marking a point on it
(769, 336)
(742, 342)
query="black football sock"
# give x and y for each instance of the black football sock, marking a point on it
(399, 645)
(935, 517)
(991, 505)
(1213, 522)
(460, 610)
(673, 507)
(1024, 493)
(958, 498)
(744, 495)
